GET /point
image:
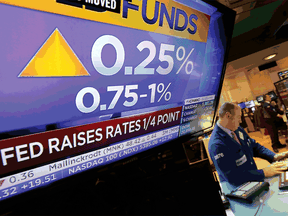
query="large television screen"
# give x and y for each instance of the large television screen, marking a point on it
(84, 84)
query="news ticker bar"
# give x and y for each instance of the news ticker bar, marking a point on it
(44, 175)
(26, 151)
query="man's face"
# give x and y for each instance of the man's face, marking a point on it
(236, 119)
(268, 98)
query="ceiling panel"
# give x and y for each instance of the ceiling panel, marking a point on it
(260, 29)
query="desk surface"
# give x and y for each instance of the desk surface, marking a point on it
(273, 202)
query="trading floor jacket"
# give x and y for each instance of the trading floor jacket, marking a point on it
(272, 111)
(234, 162)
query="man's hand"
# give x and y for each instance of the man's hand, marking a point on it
(273, 103)
(274, 169)
(281, 156)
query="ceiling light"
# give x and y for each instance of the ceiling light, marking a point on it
(270, 56)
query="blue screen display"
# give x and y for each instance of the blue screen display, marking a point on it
(80, 91)
(242, 105)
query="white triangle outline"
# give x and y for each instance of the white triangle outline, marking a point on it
(42, 47)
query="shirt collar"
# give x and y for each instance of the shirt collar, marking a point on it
(229, 132)
(267, 102)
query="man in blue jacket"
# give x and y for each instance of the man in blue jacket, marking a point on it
(232, 150)
(270, 114)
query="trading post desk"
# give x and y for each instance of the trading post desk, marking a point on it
(268, 203)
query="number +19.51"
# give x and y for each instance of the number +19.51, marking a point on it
(8, 192)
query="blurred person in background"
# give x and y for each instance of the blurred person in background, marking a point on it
(273, 121)
(243, 123)
(258, 118)
(248, 120)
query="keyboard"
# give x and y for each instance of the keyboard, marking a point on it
(283, 181)
(283, 177)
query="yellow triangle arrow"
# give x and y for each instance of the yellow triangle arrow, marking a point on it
(54, 59)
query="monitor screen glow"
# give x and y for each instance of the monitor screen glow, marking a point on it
(242, 105)
(256, 103)
(83, 89)
(260, 98)
(249, 104)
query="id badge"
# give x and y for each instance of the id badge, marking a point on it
(241, 160)
(241, 135)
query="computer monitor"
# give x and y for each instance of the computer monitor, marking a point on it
(260, 98)
(250, 104)
(273, 95)
(242, 105)
(283, 74)
(84, 85)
